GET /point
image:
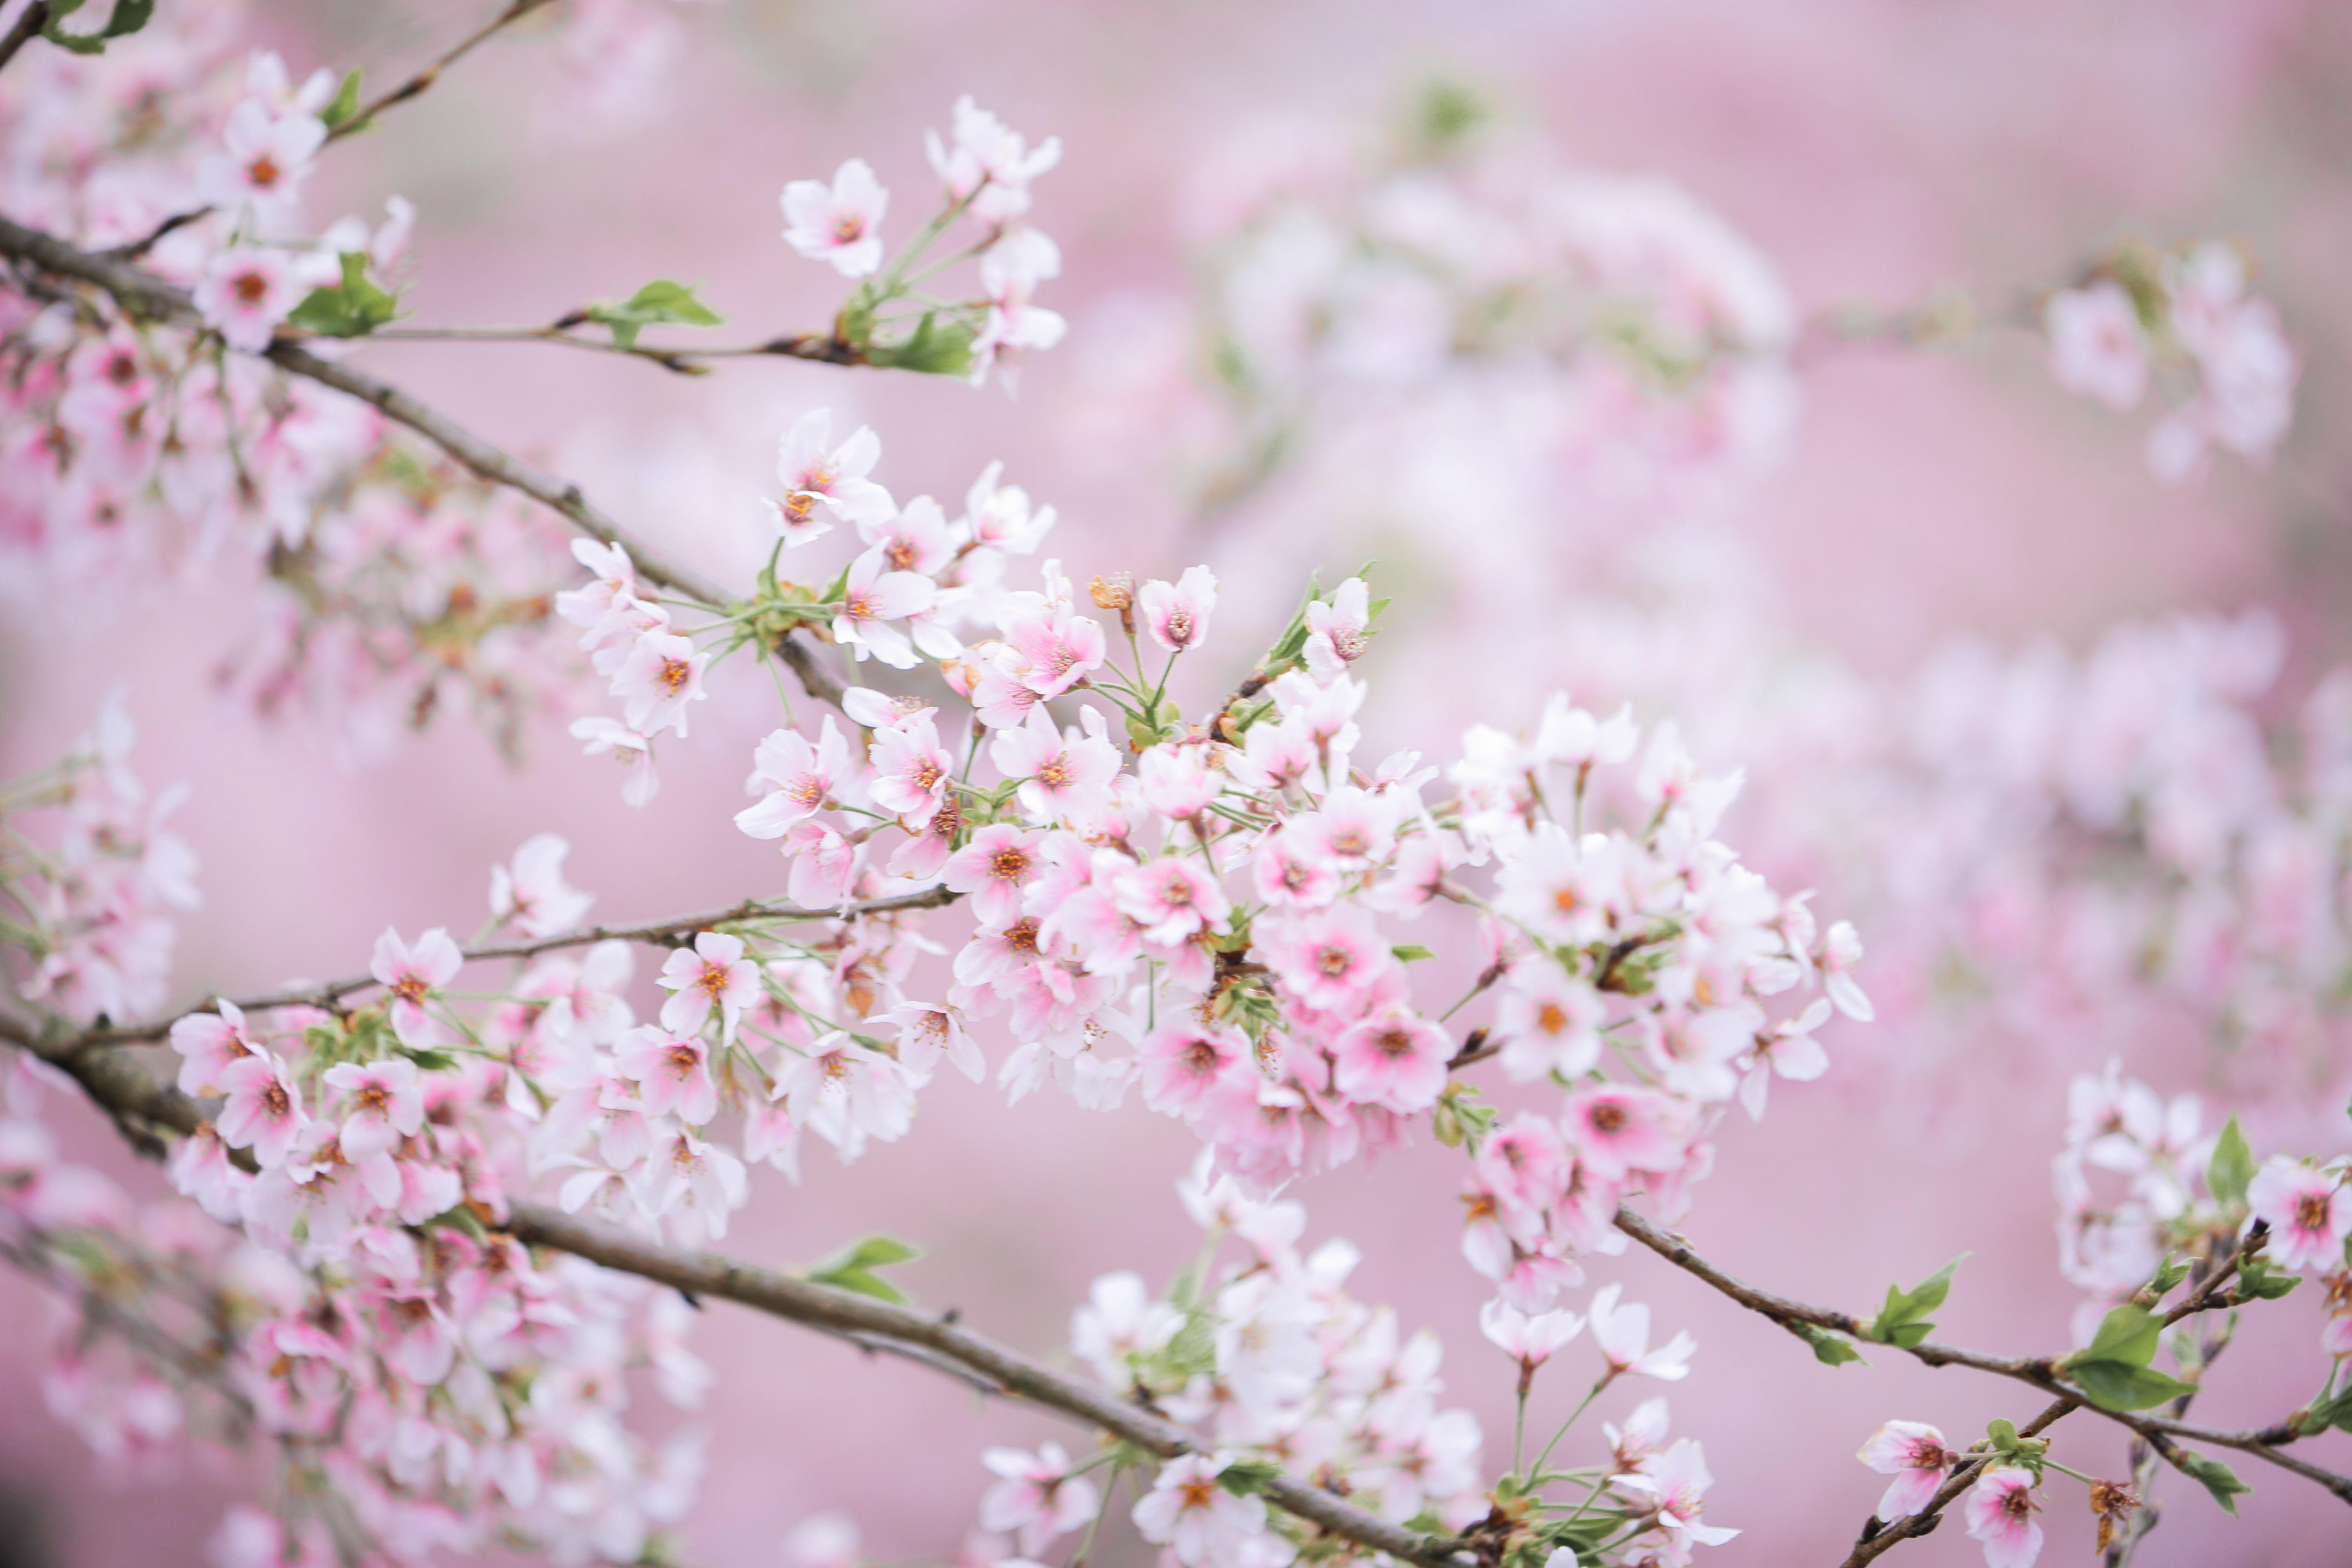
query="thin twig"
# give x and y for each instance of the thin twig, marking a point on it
(416, 85)
(669, 932)
(816, 347)
(2040, 1372)
(28, 25)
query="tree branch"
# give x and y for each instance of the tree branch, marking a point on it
(670, 932)
(2042, 1372)
(822, 348)
(416, 85)
(126, 1091)
(145, 294)
(29, 23)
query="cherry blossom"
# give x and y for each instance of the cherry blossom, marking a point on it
(1916, 1456)
(2000, 1511)
(412, 974)
(839, 223)
(2306, 1208)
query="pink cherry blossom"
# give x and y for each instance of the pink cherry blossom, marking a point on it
(1037, 1498)
(1183, 1062)
(912, 770)
(266, 157)
(1335, 630)
(634, 752)
(714, 977)
(1065, 775)
(246, 291)
(2000, 1511)
(822, 482)
(1622, 1332)
(672, 1072)
(661, 674)
(1059, 646)
(533, 894)
(1171, 898)
(1392, 1057)
(1197, 1520)
(2307, 1209)
(412, 974)
(1326, 958)
(209, 1044)
(998, 861)
(1618, 1129)
(1916, 1456)
(874, 595)
(838, 224)
(1177, 614)
(262, 1111)
(1530, 1340)
(989, 161)
(2097, 347)
(798, 776)
(386, 1106)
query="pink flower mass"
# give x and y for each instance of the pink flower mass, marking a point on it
(1629, 742)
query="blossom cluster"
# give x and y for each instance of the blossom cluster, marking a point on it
(1448, 278)
(90, 877)
(2184, 317)
(984, 171)
(135, 451)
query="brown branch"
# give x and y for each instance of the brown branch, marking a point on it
(416, 85)
(122, 1088)
(821, 348)
(2040, 1372)
(670, 932)
(145, 294)
(28, 26)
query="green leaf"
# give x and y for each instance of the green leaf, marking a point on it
(1410, 953)
(852, 1269)
(1243, 1477)
(2128, 1336)
(344, 104)
(352, 308)
(430, 1061)
(1903, 1320)
(2004, 1432)
(2215, 1477)
(2174, 1271)
(1829, 1349)
(936, 347)
(126, 17)
(2256, 1279)
(2114, 1385)
(660, 303)
(2232, 1168)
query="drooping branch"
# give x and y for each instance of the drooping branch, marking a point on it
(29, 23)
(671, 932)
(821, 348)
(2042, 1372)
(143, 293)
(131, 1095)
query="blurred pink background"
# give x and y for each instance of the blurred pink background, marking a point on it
(1874, 151)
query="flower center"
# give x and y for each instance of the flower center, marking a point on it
(1394, 1042)
(411, 989)
(1335, 961)
(251, 288)
(1567, 900)
(2311, 1211)
(264, 173)
(1550, 1019)
(1202, 1057)
(1056, 774)
(1021, 936)
(1009, 865)
(1607, 1117)
(675, 674)
(848, 229)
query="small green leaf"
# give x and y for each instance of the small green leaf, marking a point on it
(1243, 1477)
(429, 1060)
(2257, 1279)
(2215, 1477)
(2174, 1271)
(1410, 953)
(660, 303)
(936, 347)
(2114, 1386)
(2127, 1336)
(1903, 1320)
(1829, 1349)
(2004, 1432)
(352, 308)
(852, 1269)
(2232, 1168)
(126, 17)
(344, 104)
